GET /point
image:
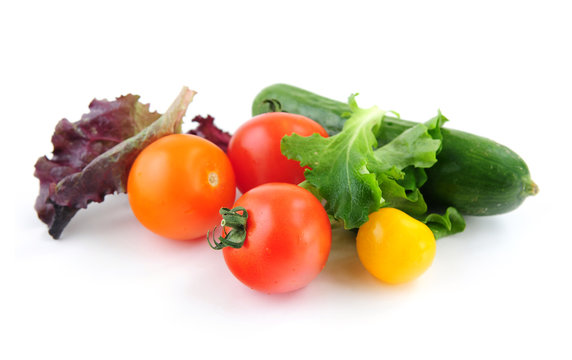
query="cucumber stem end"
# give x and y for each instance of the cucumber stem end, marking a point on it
(531, 188)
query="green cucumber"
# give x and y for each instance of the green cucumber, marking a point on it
(473, 174)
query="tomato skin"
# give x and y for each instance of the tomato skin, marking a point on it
(177, 185)
(288, 239)
(254, 149)
(394, 247)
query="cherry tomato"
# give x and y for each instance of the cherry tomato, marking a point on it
(254, 149)
(288, 239)
(177, 185)
(394, 247)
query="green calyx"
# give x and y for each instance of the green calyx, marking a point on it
(235, 219)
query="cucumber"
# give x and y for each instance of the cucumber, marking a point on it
(473, 174)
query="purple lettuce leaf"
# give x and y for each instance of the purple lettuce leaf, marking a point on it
(208, 130)
(92, 157)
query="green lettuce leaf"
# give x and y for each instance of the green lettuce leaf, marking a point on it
(356, 180)
(339, 166)
(451, 222)
(354, 177)
(408, 154)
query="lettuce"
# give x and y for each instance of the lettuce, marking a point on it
(451, 222)
(92, 157)
(208, 130)
(340, 166)
(354, 177)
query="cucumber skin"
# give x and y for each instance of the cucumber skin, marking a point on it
(474, 174)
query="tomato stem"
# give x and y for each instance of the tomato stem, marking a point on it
(235, 219)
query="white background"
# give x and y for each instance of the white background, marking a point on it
(109, 289)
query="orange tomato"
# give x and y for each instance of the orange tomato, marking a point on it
(177, 185)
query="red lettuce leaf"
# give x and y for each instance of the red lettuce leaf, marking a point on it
(92, 157)
(208, 130)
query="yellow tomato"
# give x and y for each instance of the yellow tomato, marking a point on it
(394, 247)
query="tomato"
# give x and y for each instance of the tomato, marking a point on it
(288, 239)
(394, 247)
(254, 149)
(177, 185)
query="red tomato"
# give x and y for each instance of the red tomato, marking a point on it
(254, 149)
(288, 239)
(177, 185)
